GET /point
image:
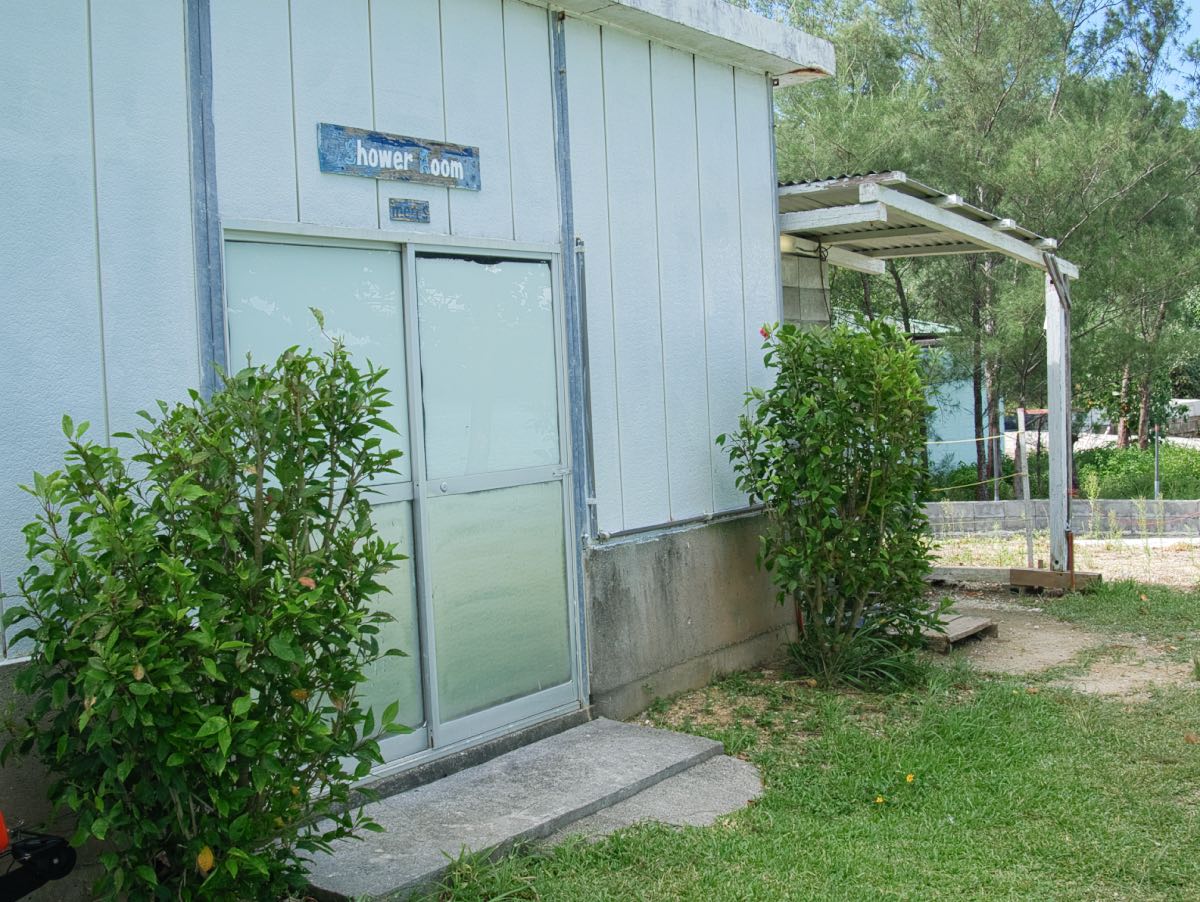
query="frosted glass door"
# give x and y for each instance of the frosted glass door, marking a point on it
(496, 558)
(499, 584)
(269, 290)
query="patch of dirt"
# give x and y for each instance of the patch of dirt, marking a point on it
(711, 708)
(1131, 680)
(1032, 641)
(1029, 641)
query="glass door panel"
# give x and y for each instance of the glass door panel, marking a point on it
(495, 503)
(488, 370)
(396, 679)
(499, 587)
(270, 288)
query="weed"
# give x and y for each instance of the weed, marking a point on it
(481, 877)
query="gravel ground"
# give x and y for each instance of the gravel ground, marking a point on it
(1170, 561)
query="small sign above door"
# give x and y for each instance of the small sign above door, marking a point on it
(377, 155)
(405, 209)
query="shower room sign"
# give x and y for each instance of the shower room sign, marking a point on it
(378, 155)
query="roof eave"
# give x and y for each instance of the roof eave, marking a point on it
(716, 30)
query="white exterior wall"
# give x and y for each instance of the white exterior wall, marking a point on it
(473, 72)
(96, 255)
(674, 195)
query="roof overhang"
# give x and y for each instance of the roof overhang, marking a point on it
(863, 220)
(717, 30)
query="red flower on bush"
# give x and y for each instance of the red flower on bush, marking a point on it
(764, 332)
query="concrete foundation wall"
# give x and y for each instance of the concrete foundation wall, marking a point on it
(1095, 518)
(670, 612)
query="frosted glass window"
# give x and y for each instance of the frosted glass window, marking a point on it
(499, 595)
(269, 289)
(397, 679)
(487, 365)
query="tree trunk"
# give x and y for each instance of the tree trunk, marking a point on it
(1151, 358)
(995, 421)
(1144, 412)
(977, 390)
(901, 294)
(1123, 409)
(866, 286)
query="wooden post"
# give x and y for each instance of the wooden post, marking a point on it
(1022, 463)
(1058, 396)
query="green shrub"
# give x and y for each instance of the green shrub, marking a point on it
(201, 620)
(1107, 472)
(1129, 472)
(833, 450)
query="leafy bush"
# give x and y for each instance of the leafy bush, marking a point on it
(1107, 472)
(833, 450)
(1129, 473)
(201, 617)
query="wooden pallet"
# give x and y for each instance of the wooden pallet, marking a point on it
(958, 627)
(1016, 577)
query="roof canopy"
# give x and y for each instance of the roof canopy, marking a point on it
(717, 30)
(863, 220)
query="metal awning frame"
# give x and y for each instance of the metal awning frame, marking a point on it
(859, 222)
(862, 221)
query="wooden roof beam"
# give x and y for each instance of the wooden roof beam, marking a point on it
(832, 217)
(878, 235)
(835, 256)
(931, 250)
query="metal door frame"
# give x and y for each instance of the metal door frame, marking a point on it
(433, 739)
(498, 717)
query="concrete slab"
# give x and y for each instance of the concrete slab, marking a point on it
(524, 795)
(694, 798)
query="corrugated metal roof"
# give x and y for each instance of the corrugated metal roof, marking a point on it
(869, 214)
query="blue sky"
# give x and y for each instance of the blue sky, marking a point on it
(1174, 85)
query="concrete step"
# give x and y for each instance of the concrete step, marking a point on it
(524, 795)
(693, 798)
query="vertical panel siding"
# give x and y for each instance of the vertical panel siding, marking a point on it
(681, 281)
(331, 69)
(760, 231)
(252, 110)
(144, 192)
(633, 235)
(406, 58)
(589, 172)
(672, 188)
(720, 218)
(530, 123)
(477, 113)
(50, 346)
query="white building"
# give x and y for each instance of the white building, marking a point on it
(558, 228)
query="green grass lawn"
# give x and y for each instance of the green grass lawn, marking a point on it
(1019, 791)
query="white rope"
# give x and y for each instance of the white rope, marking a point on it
(962, 441)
